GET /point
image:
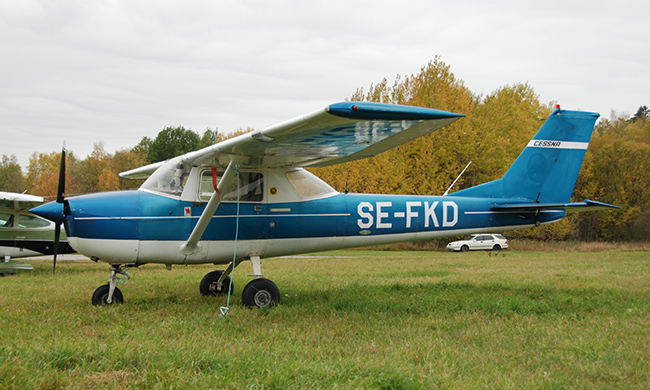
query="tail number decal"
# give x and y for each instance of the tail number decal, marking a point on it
(381, 216)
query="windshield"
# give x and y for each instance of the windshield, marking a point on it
(169, 178)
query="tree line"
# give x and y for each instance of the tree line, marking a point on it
(493, 133)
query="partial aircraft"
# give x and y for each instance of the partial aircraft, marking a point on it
(23, 234)
(249, 198)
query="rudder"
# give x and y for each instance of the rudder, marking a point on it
(547, 169)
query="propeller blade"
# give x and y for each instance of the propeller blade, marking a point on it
(60, 193)
(57, 236)
(60, 196)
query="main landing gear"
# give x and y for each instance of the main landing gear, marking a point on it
(259, 292)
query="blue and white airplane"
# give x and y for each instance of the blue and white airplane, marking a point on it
(249, 198)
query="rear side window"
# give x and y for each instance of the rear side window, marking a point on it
(307, 185)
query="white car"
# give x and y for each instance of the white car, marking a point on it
(479, 242)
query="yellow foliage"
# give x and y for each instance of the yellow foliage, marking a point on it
(108, 181)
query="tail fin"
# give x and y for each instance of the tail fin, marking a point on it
(547, 170)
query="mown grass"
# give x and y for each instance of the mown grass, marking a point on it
(348, 319)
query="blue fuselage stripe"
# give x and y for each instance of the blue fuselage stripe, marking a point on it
(139, 215)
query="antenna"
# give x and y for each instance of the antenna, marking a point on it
(452, 184)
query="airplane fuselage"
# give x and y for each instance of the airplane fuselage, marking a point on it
(23, 234)
(135, 227)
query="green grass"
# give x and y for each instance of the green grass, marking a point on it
(348, 319)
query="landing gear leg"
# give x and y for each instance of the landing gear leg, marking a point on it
(260, 292)
(109, 294)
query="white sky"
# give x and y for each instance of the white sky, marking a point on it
(114, 71)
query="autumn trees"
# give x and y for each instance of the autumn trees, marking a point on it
(496, 128)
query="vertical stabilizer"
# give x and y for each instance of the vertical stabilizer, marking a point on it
(547, 170)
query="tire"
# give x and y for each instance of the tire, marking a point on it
(208, 286)
(496, 247)
(100, 296)
(260, 293)
(464, 248)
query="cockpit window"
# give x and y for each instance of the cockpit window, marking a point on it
(307, 185)
(6, 220)
(31, 221)
(250, 187)
(169, 178)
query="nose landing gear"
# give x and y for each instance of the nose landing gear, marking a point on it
(108, 294)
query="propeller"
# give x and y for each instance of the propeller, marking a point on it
(60, 198)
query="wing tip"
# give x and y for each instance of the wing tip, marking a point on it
(372, 110)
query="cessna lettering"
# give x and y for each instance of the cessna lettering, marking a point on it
(381, 215)
(547, 144)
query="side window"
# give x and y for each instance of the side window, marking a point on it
(307, 185)
(31, 221)
(251, 187)
(6, 220)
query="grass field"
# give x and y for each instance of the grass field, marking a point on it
(348, 319)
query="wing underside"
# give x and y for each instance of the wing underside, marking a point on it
(338, 133)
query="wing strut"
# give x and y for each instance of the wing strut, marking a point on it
(191, 246)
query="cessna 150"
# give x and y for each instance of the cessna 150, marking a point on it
(248, 197)
(23, 234)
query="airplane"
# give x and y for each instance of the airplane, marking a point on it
(23, 234)
(249, 197)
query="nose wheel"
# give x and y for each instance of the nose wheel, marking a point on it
(100, 296)
(108, 294)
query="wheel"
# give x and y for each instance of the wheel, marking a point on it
(100, 296)
(260, 293)
(496, 247)
(208, 286)
(464, 248)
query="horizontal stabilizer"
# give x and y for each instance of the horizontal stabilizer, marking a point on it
(587, 205)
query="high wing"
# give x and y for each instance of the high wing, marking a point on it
(338, 133)
(15, 201)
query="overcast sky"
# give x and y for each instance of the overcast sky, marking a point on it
(113, 71)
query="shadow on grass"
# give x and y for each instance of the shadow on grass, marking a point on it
(450, 298)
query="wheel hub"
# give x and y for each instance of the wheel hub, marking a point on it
(263, 298)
